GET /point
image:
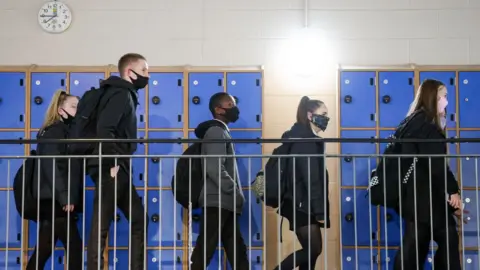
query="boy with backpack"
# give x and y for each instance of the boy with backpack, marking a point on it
(221, 196)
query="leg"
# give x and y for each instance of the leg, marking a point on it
(233, 242)
(70, 237)
(103, 216)
(310, 237)
(447, 256)
(132, 207)
(415, 241)
(43, 250)
(210, 225)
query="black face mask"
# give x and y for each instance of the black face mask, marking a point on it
(67, 120)
(232, 114)
(320, 121)
(141, 81)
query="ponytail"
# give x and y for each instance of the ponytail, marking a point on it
(52, 116)
(307, 105)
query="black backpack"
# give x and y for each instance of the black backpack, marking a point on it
(23, 189)
(186, 192)
(275, 180)
(84, 125)
(389, 179)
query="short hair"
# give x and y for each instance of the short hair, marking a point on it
(127, 59)
(216, 100)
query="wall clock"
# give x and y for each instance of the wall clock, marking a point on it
(55, 17)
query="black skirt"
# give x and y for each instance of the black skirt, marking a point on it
(296, 218)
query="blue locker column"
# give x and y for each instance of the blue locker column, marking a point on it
(355, 171)
(141, 106)
(11, 259)
(165, 95)
(9, 167)
(396, 92)
(139, 163)
(469, 174)
(11, 228)
(201, 86)
(43, 86)
(246, 88)
(357, 100)
(470, 232)
(12, 100)
(468, 99)
(360, 258)
(161, 168)
(448, 78)
(470, 260)
(80, 82)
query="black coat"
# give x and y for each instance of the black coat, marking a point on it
(310, 175)
(433, 181)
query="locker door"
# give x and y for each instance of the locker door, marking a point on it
(168, 259)
(118, 259)
(470, 260)
(12, 100)
(470, 175)
(218, 261)
(9, 167)
(138, 170)
(140, 107)
(357, 228)
(165, 94)
(166, 220)
(387, 258)
(251, 224)
(359, 259)
(247, 90)
(470, 232)
(357, 97)
(43, 86)
(161, 169)
(356, 170)
(248, 167)
(119, 229)
(384, 134)
(448, 78)
(81, 82)
(392, 228)
(468, 99)
(396, 92)
(201, 87)
(11, 259)
(55, 262)
(11, 227)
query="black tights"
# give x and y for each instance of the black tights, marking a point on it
(306, 257)
(44, 246)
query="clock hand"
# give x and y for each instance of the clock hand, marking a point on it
(50, 19)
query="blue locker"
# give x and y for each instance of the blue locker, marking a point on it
(387, 258)
(168, 259)
(56, 262)
(201, 86)
(469, 165)
(166, 220)
(392, 228)
(118, 259)
(161, 169)
(362, 165)
(359, 259)
(218, 261)
(165, 94)
(251, 220)
(10, 165)
(470, 260)
(255, 257)
(12, 259)
(468, 84)
(470, 232)
(448, 78)
(357, 97)
(43, 86)
(120, 227)
(12, 100)
(140, 107)
(81, 82)
(246, 88)
(139, 163)
(356, 208)
(395, 93)
(248, 167)
(11, 227)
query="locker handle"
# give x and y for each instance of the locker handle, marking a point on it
(155, 160)
(257, 117)
(21, 117)
(372, 81)
(258, 138)
(60, 260)
(258, 259)
(453, 138)
(374, 236)
(372, 117)
(62, 82)
(348, 99)
(38, 100)
(117, 218)
(373, 137)
(452, 81)
(141, 118)
(179, 139)
(258, 236)
(257, 82)
(386, 99)
(179, 237)
(452, 117)
(155, 100)
(155, 218)
(140, 176)
(179, 82)
(196, 100)
(178, 259)
(347, 159)
(219, 82)
(19, 237)
(179, 118)
(410, 81)
(142, 139)
(349, 217)
(18, 260)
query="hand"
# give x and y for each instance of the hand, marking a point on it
(68, 208)
(455, 201)
(114, 171)
(458, 214)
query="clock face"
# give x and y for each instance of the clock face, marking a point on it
(54, 17)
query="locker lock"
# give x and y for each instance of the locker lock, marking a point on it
(155, 100)
(1, 100)
(155, 160)
(236, 99)
(38, 100)
(348, 99)
(389, 217)
(178, 259)
(117, 217)
(386, 99)
(195, 218)
(349, 217)
(196, 100)
(155, 218)
(347, 159)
